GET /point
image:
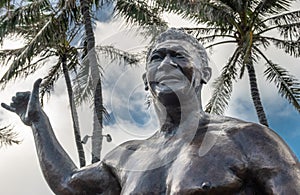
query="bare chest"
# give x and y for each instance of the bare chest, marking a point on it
(187, 171)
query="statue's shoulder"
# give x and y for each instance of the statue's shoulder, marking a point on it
(243, 130)
(235, 125)
(253, 138)
(123, 151)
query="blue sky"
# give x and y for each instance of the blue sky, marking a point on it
(125, 98)
(288, 127)
(284, 120)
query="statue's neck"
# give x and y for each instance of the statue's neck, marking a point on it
(174, 117)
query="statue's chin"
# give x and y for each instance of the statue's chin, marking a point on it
(168, 95)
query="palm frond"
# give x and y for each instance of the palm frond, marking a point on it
(72, 10)
(198, 31)
(100, 3)
(290, 47)
(267, 7)
(284, 18)
(235, 5)
(220, 43)
(207, 35)
(287, 24)
(73, 59)
(261, 41)
(210, 12)
(288, 86)
(288, 31)
(8, 54)
(49, 81)
(25, 15)
(223, 86)
(208, 39)
(117, 55)
(139, 12)
(44, 39)
(8, 137)
(83, 88)
(5, 3)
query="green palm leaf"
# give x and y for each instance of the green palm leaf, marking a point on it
(284, 18)
(8, 137)
(137, 11)
(83, 90)
(45, 38)
(223, 86)
(209, 12)
(212, 34)
(267, 7)
(48, 82)
(288, 86)
(17, 21)
(288, 24)
(290, 47)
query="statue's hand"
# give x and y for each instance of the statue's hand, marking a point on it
(26, 104)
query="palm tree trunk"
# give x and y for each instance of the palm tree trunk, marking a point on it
(98, 101)
(97, 134)
(255, 95)
(73, 112)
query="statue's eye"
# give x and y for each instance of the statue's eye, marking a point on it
(156, 57)
(179, 56)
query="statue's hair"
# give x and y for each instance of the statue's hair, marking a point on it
(177, 34)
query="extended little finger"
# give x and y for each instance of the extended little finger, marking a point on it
(7, 107)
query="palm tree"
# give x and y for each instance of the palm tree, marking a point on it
(41, 23)
(64, 53)
(246, 24)
(96, 80)
(7, 136)
(46, 39)
(134, 11)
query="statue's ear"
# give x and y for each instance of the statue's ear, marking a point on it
(206, 74)
(145, 82)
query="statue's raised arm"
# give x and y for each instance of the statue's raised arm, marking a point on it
(60, 172)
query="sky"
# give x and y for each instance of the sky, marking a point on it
(125, 99)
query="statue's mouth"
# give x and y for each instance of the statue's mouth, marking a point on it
(172, 76)
(157, 84)
(169, 81)
(166, 86)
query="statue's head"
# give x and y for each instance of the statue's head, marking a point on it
(176, 63)
(179, 35)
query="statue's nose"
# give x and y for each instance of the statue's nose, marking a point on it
(167, 64)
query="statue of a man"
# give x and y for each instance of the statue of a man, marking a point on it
(192, 152)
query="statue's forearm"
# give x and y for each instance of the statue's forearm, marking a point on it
(55, 163)
(61, 173)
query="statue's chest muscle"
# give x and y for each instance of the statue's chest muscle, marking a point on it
(213, 172)
(188, 173)
(145, 182)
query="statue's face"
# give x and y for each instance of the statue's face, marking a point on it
(173, 66)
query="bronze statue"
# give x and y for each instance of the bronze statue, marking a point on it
(192, 152)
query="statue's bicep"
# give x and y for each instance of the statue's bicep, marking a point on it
(94, 179)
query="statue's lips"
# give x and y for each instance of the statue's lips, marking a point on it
(161, 78)
(169, 81)
(166, 82)
(167, 86)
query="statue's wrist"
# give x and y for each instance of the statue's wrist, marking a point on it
(37, 117)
